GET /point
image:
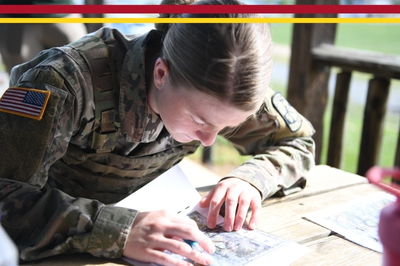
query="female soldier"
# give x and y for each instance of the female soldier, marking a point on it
(113, 112)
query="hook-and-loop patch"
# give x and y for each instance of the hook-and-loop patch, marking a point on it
(25, 102)
(289, 114)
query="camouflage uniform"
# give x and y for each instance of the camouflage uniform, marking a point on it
(99, 141)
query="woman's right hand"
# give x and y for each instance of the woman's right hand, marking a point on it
(154, 232)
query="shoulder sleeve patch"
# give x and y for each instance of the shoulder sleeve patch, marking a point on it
(289, 114)
(25, 102)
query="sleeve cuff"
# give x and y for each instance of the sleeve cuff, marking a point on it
(111, 231)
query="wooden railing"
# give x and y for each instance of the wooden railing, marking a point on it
(384, 68)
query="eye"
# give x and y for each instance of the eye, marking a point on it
(197, 124)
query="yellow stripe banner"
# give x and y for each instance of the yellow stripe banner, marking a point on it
(200, 20)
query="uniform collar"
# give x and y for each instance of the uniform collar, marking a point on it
(138, 121)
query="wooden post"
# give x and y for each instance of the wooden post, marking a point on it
(207, 155)
(91, 27)
(308, 80)
(338, 119)
(397, 160)
(374, 115)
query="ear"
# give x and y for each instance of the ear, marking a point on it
(161, 72)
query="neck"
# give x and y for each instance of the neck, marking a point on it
(151, 97)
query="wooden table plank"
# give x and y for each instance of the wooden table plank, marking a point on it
(321, 179)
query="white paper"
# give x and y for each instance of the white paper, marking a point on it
(170, 191)
(357, 220)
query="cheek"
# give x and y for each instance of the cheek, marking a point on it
(179, 125)
(173, 118)
(175, 123)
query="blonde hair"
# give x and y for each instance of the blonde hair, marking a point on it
(230, 61)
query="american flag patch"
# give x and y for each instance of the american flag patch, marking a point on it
(24, 102)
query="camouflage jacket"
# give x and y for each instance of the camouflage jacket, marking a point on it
(99, 141)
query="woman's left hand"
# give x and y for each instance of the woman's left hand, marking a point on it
(237, 194)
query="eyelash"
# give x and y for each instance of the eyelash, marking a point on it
(198, 124)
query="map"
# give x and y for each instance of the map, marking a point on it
(357, 220)
(237, 247)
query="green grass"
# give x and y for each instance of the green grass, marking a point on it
(2, 67)
(383, 38)
(282, 33)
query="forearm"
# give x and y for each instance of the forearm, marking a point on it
(45, 223)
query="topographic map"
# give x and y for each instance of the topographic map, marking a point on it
(236, 248)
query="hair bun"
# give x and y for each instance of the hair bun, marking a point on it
(163, 27)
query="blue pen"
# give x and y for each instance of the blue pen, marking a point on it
(191, 243)
(194, 245)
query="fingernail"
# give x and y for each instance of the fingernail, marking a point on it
(228, 228)
(209, 260)
(212, 250)
(253, 225)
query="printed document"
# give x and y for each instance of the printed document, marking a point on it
(357, 220)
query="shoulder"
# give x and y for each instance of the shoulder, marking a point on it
(291, 123)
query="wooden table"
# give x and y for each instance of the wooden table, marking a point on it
(326, 187)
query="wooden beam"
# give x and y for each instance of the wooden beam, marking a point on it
(342, 89)
(374, 114)
(308, 80)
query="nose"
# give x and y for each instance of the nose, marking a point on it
(207, 138)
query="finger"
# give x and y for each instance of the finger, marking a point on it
(205, 202)
(243, 207)
(195, 254)
(215, 205)
(231, 204)
(198, 255)
(162, 258)
(191, 233)
(255, 213)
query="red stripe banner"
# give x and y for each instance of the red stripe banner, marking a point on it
(200, 9)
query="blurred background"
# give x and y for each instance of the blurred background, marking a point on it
(384, 38)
